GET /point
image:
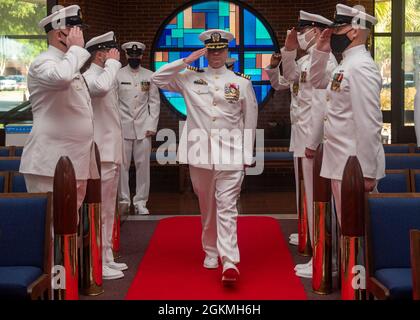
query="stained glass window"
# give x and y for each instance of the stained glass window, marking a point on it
(252, 47)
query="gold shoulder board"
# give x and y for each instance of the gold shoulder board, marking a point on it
(243, 75)
(195, 69)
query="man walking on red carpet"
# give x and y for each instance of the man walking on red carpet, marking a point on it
(220, 103)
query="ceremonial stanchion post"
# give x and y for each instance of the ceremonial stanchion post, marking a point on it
(65, 229)
(116, 233)
(304, 240)
(322, 247)
(353, 286)
(91, 230)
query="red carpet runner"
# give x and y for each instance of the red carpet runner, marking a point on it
(172, 266)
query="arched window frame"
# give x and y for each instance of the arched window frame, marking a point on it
(241, 49)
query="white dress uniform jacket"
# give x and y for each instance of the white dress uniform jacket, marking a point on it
(354, 117)
(139, 102)
(311, 102)
(62, 113)
(278, 82)
(103, 90)
(216, 99)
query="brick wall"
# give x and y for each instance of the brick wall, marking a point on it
(141, 19)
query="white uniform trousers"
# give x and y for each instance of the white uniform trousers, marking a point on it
(218, 193)
(40, 184)
(141, 150)
(308, 173)
(109, 184)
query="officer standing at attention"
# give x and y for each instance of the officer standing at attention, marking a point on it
(61, 107)
(139, 108)
(279, 83)
(310, 116)
(354, 117)
(101, 80)
(216, 99)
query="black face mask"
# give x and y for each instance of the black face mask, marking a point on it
(134, 62)
(339, 42)
(65, 35)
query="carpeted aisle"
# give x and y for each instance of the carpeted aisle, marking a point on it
(172, 266)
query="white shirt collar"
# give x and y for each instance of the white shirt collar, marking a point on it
(220, 70)
(354, 50)
(57, 52)
(96, 67)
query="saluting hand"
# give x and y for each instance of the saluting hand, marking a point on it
(75, 38)
(291, 40)
(309, 153)
(275, 60)
(323, 43)
(195, 55)
(113, 54)
(369, 184)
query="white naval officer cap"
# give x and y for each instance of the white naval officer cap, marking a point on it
(230, 62)
(216, 38)
(104, 41)
(354, 16)
(70, 16)
(133, 48)
(312, 20)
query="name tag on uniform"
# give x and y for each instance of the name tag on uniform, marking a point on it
(126, 83)
(78, 83)
(201, 82)
(232, 92)
(336, 82)
(303, 76)
(295, 88)
(145, 86)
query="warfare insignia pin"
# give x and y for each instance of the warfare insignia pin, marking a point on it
(201, 82)
(232, 92)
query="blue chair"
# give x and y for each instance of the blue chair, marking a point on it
(278, 156)
(5, 152)
(399, 148)
(415, 180)
(9, 163)
(395, 181)
(402, 161)
(25, 246)
(415, 262)
(17, 183)
(389, 219)
(18, 151)
(4, 182)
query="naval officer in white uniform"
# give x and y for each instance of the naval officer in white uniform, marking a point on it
(61, 107)
(311, 105)
(139, 107)
(279, 83)
(101, 78)
(354, 117)
(216, 98)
